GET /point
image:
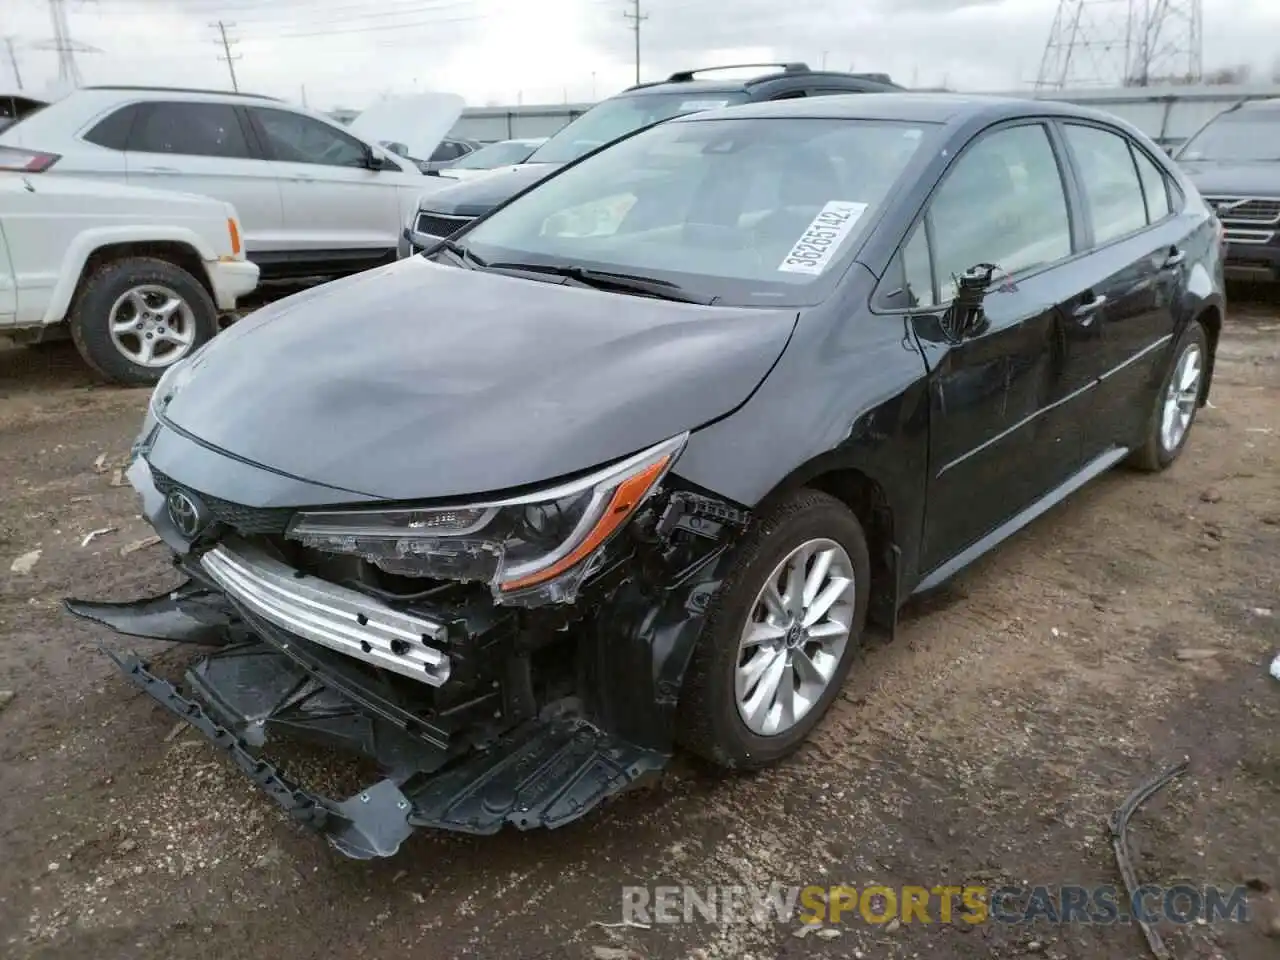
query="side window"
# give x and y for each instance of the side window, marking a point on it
(918, 268)
(1155, 187)
(1112, 192)
(113, 130)
(1003, 202)
(296, 138)
(447, 150)
(192, 129)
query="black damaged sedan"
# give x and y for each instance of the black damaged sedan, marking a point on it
(630, 462)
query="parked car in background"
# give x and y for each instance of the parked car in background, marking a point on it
(449, 152)
(15, 106)
(137, 277)
(314, 196)
(1234, 160)
(504, 153)
(687, 91)
(631, 462)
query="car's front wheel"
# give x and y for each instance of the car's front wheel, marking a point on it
(780, 634)
(135, 318)
(1174, 409)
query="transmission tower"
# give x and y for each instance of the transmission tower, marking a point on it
(64, 45)
(1122, 43)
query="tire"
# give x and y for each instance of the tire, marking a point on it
(1157, 450)
(709, 721)
(105, 298)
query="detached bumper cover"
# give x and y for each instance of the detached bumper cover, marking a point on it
(547, 773)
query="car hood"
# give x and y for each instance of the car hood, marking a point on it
(475, 198)
(419, 122)
(1218, 178)
(422, 381)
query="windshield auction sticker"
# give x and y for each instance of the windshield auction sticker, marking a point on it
(820, 240)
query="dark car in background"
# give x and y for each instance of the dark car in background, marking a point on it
(686, 91)
(630, 463)
(1234, 160)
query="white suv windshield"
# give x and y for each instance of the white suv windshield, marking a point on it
(1245, 136)
(611, 119)
(737, 210)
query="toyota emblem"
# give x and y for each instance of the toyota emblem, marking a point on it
(186, 512)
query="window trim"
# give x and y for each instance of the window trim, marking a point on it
(1137, 151)
(268, 152)
(1094, 245)
(147, 107)
(134, 106)
(923, 215)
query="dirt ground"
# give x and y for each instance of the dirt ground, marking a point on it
(988, 744)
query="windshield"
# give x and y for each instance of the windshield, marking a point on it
(611, 119)
(744, 210)
(494, 155)
(1242, 136)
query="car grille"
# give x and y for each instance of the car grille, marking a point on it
(246, 520)
(1263, 211)
(439, 225)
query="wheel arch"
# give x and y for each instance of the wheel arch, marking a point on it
(868, 499)
(91, 250)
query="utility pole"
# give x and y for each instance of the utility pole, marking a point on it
(226, 46)
(13, 60)
(636, 19)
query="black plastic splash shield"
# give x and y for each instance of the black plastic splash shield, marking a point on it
(546, 773)
(371, 824)
(190, 614)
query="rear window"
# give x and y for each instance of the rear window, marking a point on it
(743, 210)
(611, 119)
(113, 130)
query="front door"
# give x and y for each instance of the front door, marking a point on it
(1003, 396)
(331, 200)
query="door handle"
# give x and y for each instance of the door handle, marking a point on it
(303, 178)
(1175, 257)
(161, 170)
(1085, 311)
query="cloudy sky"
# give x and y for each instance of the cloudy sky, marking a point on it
(347, 52)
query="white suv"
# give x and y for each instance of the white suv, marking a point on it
(315, 197)
(137, 277)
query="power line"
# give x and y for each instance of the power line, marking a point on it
(13, 60)
(636, 19)
(226, 46)
(66, 47)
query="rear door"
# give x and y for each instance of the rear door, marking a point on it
(1003, 397)
(204, 147)
(1135, 268)
(8, 281)
(331, 200)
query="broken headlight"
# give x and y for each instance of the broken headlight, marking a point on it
(533, 548)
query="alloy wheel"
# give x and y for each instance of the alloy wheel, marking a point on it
(795, 637)
(152, 326)
(1181, 397)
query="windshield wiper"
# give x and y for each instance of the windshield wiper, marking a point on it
(459, 251)
(608, 280)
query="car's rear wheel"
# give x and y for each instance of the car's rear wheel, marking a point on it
(1174, 409)
(780, 634)
(135, 318)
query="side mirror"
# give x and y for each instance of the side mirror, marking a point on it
(966, 315)
(375, 161)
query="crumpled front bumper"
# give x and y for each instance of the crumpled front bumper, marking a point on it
(546, 773)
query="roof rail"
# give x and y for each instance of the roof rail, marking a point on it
(219, 93)
(684, 76)
(877, 77)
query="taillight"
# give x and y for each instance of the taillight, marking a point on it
(26, 161)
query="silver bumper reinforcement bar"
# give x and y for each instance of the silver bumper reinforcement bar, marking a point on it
(335, 617)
